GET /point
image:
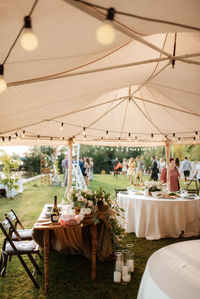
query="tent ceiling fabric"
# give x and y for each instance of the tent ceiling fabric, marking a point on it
(126, 88)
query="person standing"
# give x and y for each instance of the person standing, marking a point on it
(154, 172)
(131, 167)
(161, 165)
(174, 176)
(158, 165)
(186, 166)
(91, 169)
(87, 171)
(115, 169)
(124, 167)
(198, 173)
(65, 170)
(139, 170)
(81, 165)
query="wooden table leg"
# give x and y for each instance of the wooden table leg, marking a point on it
(46, 260)
(93, 229)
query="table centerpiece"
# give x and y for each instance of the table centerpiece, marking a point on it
(100, 207)
(152, 186)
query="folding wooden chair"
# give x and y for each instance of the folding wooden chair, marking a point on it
(17, 248)
(22, 234)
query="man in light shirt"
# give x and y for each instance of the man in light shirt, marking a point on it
(198, 173)
(186, 166)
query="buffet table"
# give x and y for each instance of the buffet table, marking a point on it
(13, 191)
(86, 238)
(159, 218)
(172, 272)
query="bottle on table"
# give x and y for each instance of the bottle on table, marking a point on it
(55, 211)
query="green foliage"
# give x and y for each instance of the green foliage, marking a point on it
(9, 164)
(146, 156)
(60, 157)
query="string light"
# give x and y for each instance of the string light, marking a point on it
(9, 139)
(106, 134)
(3, 139)
(197, 135)
(174, 137)
(23, 134)
(3, 84)
(38, 138)
(51, 138)
(17, 136)
(106, 33)
(61, 126)
(179, 139)
(119, 140)
(83, 132)
(29, 41)
(102, 138)
(129, 136)
(74, 139)
(151, 135)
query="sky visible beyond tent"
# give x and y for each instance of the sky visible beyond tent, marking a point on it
(18, 150)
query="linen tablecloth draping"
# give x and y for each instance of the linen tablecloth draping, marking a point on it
(13, 191)
(173, 272)
(159, 218)
(75, 239)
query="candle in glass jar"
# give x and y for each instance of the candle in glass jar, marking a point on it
(119, 265)
(130, 264)
(125, 269)
(126, 277)
(117, 276)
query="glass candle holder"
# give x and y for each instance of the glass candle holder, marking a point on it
(130, 246)
(130, 261)
(118, 267)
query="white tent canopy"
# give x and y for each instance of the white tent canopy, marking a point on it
(126, 92)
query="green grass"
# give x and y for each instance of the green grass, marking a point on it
(70, 276)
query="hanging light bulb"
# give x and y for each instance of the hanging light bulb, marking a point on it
(119, 140)
(38, 138)
(74, 139)
(174, 137)
(179, 139)
(129, 136)
(197, 135)
(23, 134)
(9, 139)
(61, 126)
(3, 139)
(51, 138)
(151, 135)
(106, 33)
(83, 132)
(29, 41)
(3, 84)
(194, 140)
(106, 134)
(17, 136)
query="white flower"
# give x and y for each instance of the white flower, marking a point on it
(81, 198)
(90, 203)
(77, 194)
(83, 211)
(88, 211)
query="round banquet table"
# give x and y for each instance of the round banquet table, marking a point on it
(172, 272)
(159, 218)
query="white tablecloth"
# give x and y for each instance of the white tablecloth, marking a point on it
(159, 218)
(172, 272)
(13, 191)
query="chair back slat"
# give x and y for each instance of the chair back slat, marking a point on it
(6, 225)
(11, 216)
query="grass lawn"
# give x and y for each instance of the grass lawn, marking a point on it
(70, 276)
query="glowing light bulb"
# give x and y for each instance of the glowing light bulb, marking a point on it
(61, 127)
(83, 132)
(3, 84)
(29, 41)
(105, 33)
(23, 134)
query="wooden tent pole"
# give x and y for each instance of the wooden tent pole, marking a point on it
(70, 143)
(167, 155)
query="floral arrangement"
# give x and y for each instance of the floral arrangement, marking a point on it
(100, 206)
(153, 186)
